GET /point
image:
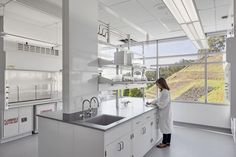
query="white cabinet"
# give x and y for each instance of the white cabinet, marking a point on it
(140, 141)
(120, 148)
(145, 133)
(25, 120)
(133, 138)
(233, 128)
(39, 109)
(10, 123)
(18, 121)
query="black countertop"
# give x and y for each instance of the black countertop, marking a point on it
(135, 108)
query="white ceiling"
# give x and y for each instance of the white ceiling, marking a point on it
(135, 17)
(153, 17)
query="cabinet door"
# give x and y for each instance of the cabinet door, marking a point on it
(11, 123)
(119, 148)
(138, 143)
(154, 130)
(147, 136)
(25, 120)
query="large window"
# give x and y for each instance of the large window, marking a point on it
(193, 75)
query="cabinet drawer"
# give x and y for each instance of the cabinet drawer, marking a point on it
(138, 121)
(117, 132)
(122, 147)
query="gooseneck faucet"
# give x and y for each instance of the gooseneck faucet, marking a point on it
(95, 99)
(84, 101)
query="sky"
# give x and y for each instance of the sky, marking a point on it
(164, 49)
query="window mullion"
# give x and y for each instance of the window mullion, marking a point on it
(206, 78)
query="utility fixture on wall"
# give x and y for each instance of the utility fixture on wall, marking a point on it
(185, 13)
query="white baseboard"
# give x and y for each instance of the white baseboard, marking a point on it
(8, 139)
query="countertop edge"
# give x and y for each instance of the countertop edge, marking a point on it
(94, 127)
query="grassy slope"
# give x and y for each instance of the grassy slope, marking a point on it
(193, 76)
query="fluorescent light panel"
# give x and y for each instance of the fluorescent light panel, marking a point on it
(175, 12)
(195, 43)
(187, 31)
(199, 30)
(185, 13)
(180, 6)
(205, 43)
(189, 6)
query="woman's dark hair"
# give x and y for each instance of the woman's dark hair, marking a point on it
(161, 81)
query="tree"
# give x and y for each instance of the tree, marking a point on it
(151, 75)
(216, 43)
(135, 92)
(126, 92)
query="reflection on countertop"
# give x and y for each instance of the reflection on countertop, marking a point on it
(135, 108)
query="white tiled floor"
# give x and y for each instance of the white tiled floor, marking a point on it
(192, 142)
(186, 142)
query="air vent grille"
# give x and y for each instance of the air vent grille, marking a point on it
(36, 49)
(26, 47)
(20, 47)
(32, 48)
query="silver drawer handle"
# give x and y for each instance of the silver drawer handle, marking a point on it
(120, 146)
(123, 145)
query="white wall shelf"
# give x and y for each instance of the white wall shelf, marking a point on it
(107, 87)
(105, 63)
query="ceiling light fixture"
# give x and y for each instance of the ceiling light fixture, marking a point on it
(186, 15)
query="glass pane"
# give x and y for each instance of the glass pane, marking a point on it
(151, 91)
(182, 60)
(216, 83)
(106, 52)
(151, 75)
(220, 57)
(137, 50)
(150, 49)
(150, 63)
(186, 82)
(176, 48)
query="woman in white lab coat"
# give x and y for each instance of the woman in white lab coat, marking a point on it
(164, 107)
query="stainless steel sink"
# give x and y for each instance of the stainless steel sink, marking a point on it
(104, 119)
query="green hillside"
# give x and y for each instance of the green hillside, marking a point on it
(188, 83)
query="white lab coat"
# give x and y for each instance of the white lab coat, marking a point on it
(165, 113)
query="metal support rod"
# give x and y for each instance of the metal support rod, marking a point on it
(117, 91)
(108, 34)
(206, 78)
(18, 93)
(157, 63)
(157, 60)
(128, 37)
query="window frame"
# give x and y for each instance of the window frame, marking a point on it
(205, 63)
(157, 65)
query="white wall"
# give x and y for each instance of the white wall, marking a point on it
(203, 114)
(80, 47)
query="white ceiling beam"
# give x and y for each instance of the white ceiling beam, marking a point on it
(43, 6)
